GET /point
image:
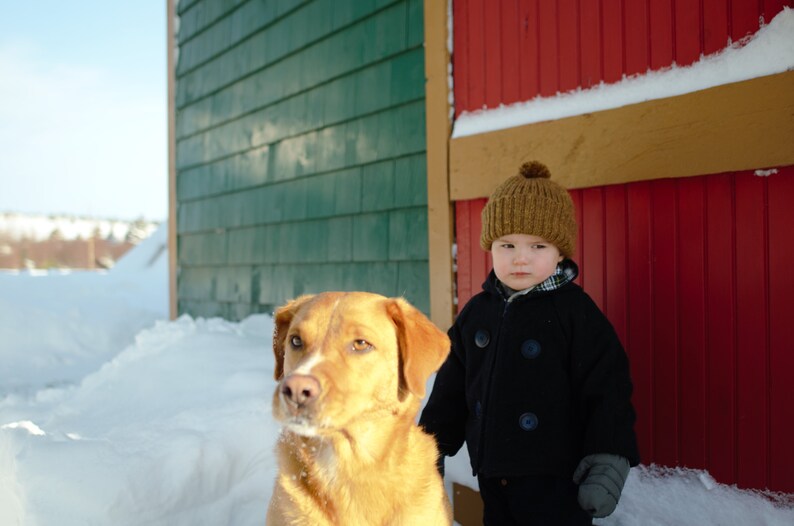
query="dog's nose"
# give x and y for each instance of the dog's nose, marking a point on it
(300, 389)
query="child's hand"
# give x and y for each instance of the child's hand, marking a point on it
(600, 478)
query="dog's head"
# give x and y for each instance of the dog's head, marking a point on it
(341, 356)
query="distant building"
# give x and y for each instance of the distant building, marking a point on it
(30, 241)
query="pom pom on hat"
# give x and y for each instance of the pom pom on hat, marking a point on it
(534, 170)
(530, 203)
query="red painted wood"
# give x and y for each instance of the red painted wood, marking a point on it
(696, 276)
(475, 46)
(637, 50)
(548, 49)
(715, 25)
(529, 56)
(510, 25)
(515, 50)
(690, 262)
(615, 259)
(687, 32)
(612, 55)
(493, 55)
(481, 260)
(639, 340)
(661, 33)
(473, 264)
(744, 18)
(751, 334)
(460, 14)
(781, 329)
(592, 234)
(590, 44)
(664, 327)
(721, 328)
(770, 8)
(464, 234)
(568, 35)
(576, 197)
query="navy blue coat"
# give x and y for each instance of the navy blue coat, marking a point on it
(533, 385)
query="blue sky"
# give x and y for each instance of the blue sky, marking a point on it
(83, 123)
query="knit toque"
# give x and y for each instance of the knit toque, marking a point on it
(530, 203)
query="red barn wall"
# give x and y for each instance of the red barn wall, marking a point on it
(514, 50)
(693, 272)
(695, 275)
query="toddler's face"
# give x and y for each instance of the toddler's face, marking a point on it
(521, 261)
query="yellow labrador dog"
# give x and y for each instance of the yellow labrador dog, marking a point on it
(352, 368)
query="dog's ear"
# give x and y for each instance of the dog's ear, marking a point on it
(283, 318)
(423, 347)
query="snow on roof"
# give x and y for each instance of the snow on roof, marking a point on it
(769, 51)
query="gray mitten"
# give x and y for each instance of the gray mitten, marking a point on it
(601, 478)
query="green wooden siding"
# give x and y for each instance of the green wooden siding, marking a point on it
(300, 152)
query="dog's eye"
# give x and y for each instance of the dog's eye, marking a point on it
(296, 342)
(362, 346)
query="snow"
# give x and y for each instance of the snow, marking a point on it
(769, 51)
(39, 227)
(110, 414)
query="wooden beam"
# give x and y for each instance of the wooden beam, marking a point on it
(733, 127)
(439, 208)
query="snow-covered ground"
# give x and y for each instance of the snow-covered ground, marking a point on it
(110, 414)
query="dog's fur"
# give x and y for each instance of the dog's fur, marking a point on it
(350, 452)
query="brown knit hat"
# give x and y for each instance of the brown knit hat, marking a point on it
(530, 203)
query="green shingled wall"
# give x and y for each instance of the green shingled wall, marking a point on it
(300, 152)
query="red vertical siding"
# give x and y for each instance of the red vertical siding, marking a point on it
(664, 327)
(589, 44)
(660, 31)
(721, 327)
(695, 275)
(780, 363)
(612, 54)
(687, 32)
(691, 345)
(515, 50)
(510, 25)
(493, 55)
(460, 57)
(548, 49)
(592, 234)
(716, 29)
(615, 259)
(529, 51)
(751, 335)
(635, 22)
(639, 343)
(568, 37)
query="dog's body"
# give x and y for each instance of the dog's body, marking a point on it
(352, 370)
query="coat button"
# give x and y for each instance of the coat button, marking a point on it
(482, 338)
(528, 421)
(530, 349)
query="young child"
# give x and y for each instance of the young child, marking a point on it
(537, 383)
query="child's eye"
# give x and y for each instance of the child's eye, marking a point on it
(539, 246)
(507, 245)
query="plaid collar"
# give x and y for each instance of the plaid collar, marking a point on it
(565, 272)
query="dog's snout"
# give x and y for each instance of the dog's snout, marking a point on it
(300, 389)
